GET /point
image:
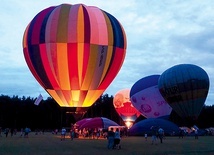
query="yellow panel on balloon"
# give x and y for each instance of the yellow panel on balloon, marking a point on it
(90, 68)
(75, 97)
(62, 60)
(92, 96)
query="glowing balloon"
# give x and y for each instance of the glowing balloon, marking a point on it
(145, 97)
(124, 107)
(185, 88)
(74, 52)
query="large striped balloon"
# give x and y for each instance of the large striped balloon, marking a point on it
(74, 52)
(185, 88)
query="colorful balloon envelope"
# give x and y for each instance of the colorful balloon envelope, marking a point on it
(74, 52)
(185, 88)
(145, 97)
(124, 107)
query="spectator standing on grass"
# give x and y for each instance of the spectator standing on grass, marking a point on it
(154, 135)
(160, 134)
(196, 134)
(145, 136)
(6, 131)
(110, 137)
(0, 131)
(11, 132)
(63, 132)
(22, 130)
(26, 132)
(72, 134)
(117, 139)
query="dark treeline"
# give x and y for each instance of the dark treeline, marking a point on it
(20, 112)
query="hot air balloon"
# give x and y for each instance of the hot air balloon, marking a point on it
(124, 107)
(185, 88)
(74, 52)
(145, 97)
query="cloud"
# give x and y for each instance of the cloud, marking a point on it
(160, 34)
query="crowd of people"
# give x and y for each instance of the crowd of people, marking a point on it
(12, 131)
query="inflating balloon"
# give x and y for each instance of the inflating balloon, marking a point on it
(146, 98)
(185, 88)
(124, 107)
(74, 52)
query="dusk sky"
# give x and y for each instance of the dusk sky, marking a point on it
(160, 34)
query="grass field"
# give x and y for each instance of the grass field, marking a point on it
(51, 144)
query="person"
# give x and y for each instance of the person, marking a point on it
(98, 134)
(63, 132)
(0, 131)
(181, 133)
(110, 137)
(117, 139)
(154, 135)
(145, 136)
(6, 131)
(72, 134)
(160, 134)
(26, 132)
(22, 130)
(196, 134)
(11, 132)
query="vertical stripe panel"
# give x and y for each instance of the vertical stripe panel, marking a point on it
(87, 26)
(36, 25)
(52, 59)
(31, 67)
(80, 26)
(118, 34)
(100, 64)
(35, 57)
(110, 35)
(72, 66)
(107, 62)
(67, 96)
(94, 33)
(24, 41)
(91, 65)
(75, 94)
(114, 67)
(51, 26)
(63, 66)
(92, 96)
(101, 28)
(80, 55)
(72, 24)
(62, 29)
(47, 66)
(86, 55)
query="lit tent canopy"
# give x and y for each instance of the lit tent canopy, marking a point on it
(74, 52)
(98, 122)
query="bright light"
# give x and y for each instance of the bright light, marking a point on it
(129, 124)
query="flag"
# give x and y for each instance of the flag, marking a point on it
(38, 100)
